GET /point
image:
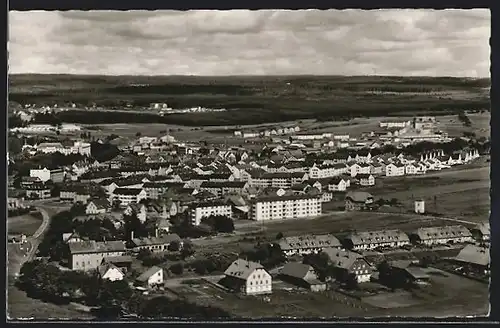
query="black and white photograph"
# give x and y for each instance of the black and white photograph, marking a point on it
(212, 165)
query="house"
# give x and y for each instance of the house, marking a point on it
(358, 200)
(163, 225)
(482, 231)
(123, 262)
(88, 255)
(349, 263)
(157, 244)
(108, 271)
(359, 168)
(247, 277)
(38, 190)
(151, 277)
(136, 209)
(475, 257)
(365, 179)
(302, 275)
(405, 271)
(55, 175)
(127, 196)
(223, 188)
(205, 209)
(394, 170)
(71, 237)
(337, 184)
(97, 206)
(366, 240)
(280, 204)
(441, 235)
(307, 244)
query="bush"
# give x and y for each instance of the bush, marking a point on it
(177, 268)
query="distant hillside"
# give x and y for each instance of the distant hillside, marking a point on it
(274, 97)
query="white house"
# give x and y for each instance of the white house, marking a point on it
(206, 209)
(359, 168)
(366, 240)
(153, 276)
(108, 271)
(247, 277)
(138, 209)
(127, 196)
(394, 170)
(337, 184)
(42, 174)
(97, 206)
(366, 179)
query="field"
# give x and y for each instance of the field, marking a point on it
(25, 224)
(459, 192)
(448, 295)
(251, 100)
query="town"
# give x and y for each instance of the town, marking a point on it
(285, 220)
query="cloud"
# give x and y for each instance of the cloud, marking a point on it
(243, 42)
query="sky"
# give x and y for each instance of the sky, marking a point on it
(242, 42)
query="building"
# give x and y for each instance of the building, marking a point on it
(349, 263)
(394, 124)
(108, 271)
(88, 255)
(247, 277)
(56, 175)
(302, 275)
(358, 201)
(206, 209)
(424, 122)
(337, 184)
(367, 240)
(307, 244)
(138, 210)
(223, 188)
(281, 205)
(442, 235)
(475, 257)
(420, 206)
(127, 196)
(97, 206)
(38, 190)
(366, 179)
(408, 273)
(151, 277)
(394, 170)
(157, 244)
(359, 168)
(482, 231)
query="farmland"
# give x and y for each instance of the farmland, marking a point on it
(251, 100)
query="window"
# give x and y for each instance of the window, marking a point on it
(251, 283)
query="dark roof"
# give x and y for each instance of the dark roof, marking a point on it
(358, 196)
(127, 191)
(224, 184)
(162, 240)
(297, 270)
(93, 246)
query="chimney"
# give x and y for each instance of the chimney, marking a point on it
(156, 232)
(131, 235)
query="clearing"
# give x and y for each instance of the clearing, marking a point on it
(24, 224)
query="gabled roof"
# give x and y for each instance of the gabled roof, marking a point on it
(93, 246)
(474, 255)
(105, 267)
(342, 258)
(368, 237)
(100, 203)
(443, 232)
(358, 196)
(297, 270)
(242, 269)
(308, 241)
(148, 273)
(127, 191)
(162, 240)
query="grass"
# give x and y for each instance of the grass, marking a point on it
(25, 224)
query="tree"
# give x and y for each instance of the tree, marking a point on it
(138, 134)
(177, 268)
(174, 246)
(279, 235)
(187, 250)
(144, 253)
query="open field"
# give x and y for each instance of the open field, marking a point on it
(459, 192)
(25, 224)
(251, 99)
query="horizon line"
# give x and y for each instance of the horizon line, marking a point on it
(254, 75)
